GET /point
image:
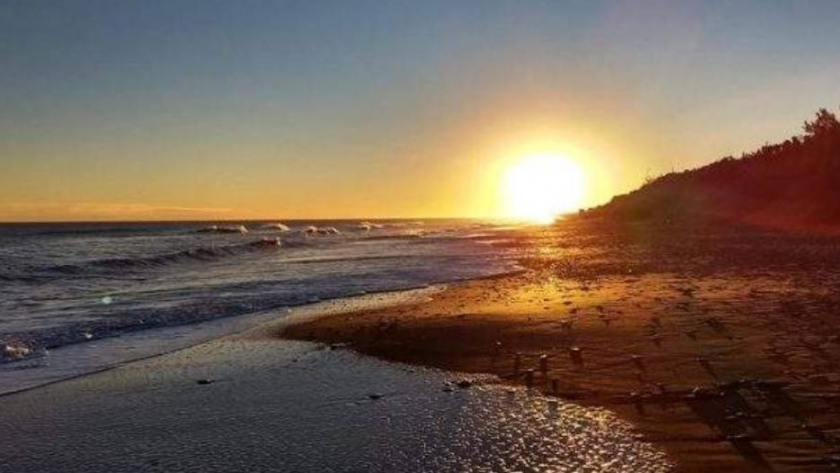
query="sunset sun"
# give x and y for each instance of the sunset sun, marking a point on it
(540, 187)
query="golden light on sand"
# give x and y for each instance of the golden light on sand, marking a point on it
(540, 187)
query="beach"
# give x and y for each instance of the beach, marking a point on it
(251, 402)
(610, 347)
(717, 343)
(475, 236)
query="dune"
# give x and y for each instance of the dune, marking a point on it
(786, 186)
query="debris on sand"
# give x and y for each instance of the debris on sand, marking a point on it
(464, 383)
(577, 355)
(14, 351)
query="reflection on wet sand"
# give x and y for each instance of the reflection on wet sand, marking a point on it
(253, 403)
(719, 343)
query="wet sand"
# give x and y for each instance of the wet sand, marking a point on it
(250, 402)
(721, 346)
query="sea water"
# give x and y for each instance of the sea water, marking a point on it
(102, 293)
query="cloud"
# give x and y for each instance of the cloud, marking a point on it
(29, 211)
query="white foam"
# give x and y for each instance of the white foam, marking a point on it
(368, 226)
(313, 230)
(276, 226)
(78, 359)
(224, 229)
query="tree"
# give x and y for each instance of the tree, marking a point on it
(824, 123)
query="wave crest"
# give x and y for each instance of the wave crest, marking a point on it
(195, 254)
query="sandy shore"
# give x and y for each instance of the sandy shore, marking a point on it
(720, 351)
(250, 402)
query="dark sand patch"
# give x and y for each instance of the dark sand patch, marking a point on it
(721, 348)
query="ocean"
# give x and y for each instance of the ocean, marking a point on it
(71, 288)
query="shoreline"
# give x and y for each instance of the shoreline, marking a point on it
(74, 361)
(643, 346)
(251, 401)
(721, 366)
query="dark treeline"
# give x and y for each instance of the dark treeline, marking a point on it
(794, 184)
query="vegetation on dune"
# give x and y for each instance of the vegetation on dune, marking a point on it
(794, 184)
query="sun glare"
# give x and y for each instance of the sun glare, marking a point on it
(538, 188)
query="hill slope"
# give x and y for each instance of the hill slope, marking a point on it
(795, 184)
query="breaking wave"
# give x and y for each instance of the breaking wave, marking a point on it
(193, 255)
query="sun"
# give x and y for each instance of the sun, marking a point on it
(540, 187)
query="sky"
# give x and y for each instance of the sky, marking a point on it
(181, 109)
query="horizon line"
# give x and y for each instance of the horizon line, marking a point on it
(297, 219)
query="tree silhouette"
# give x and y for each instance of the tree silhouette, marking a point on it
(825, 123)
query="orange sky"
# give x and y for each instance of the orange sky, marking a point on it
(179, 110)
